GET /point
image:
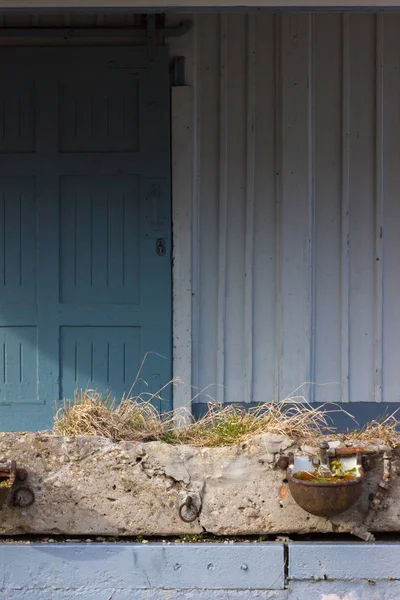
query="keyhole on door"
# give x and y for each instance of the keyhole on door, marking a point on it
(160, 247)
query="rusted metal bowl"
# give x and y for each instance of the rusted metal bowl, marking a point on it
(324, 499)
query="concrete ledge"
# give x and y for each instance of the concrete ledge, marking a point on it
(92, 486)
(140, 567)
(344, 561)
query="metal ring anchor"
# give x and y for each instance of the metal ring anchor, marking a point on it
(23, 496)
(190, 507)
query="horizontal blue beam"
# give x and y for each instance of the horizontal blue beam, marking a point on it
(139, 567)
(126, 571)
(344, 561)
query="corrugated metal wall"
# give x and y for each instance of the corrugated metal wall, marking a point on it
(297, 245)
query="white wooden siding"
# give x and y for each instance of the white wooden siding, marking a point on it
(298, 206)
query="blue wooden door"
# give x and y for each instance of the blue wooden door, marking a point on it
(85, 272)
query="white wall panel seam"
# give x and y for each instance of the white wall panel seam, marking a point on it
(278, 203)
(223, 200)
(379, 143)
(250, 199)
(195, 210)
(311, 199)
(345, 258)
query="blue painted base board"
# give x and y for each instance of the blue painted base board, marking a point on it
(153, 566)
(240, 571)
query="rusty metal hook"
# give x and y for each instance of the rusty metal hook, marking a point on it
(190, 507)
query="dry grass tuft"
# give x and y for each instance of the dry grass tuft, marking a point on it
(385, 430)
(136, 419)
(92, 414)
(224, 426)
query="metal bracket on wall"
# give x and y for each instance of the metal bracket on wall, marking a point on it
(178, 71)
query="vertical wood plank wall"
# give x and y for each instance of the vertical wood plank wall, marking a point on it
(297, 206)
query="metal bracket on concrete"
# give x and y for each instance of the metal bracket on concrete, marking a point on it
(13, 484)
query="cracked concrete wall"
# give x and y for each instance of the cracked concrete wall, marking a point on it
(92, 486)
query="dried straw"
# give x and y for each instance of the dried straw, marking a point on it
(384, 430)
(136, 419)
(92, 414)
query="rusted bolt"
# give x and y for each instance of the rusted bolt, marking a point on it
(323, 453)
(283, 462)
(22, 474)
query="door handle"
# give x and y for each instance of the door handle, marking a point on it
(161, 247)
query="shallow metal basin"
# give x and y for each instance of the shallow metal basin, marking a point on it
(324, 499)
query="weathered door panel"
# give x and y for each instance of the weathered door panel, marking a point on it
(84, 199)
